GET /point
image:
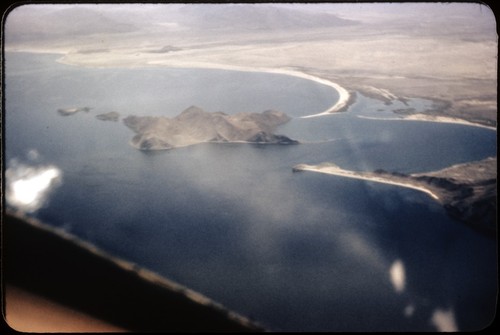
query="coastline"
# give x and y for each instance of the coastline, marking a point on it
(429, 118)
(344, 95)
(68, 58)
(467, 191)
(197, 143)
(342, 102)
(349, 174)
(296, 251)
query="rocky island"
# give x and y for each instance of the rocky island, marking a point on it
(195, 125)
(466, 191)
(110, 116)
(72, 110)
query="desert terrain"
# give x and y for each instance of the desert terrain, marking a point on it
(443, 52)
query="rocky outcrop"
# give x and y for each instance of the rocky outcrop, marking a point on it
(72, 111)
(466, 191)
(195, 125)
(110, 116)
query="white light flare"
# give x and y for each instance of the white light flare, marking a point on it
(444, 320)
(28, 187)
(398, 276)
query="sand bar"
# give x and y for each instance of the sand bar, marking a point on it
(351, 174)
(429, 118)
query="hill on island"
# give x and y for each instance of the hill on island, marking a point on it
(195, 125)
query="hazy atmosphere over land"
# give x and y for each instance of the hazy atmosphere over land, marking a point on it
(442, 51)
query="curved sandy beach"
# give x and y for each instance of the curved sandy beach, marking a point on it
(343, 93)
(339, 104)
(342, 102)
(73, 59)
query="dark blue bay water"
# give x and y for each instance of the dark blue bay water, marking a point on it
(303, 251)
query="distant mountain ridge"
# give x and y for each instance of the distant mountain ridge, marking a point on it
(255, 17)
(50, 23)
(195, 125)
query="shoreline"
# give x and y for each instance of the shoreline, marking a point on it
(429, 118)
(348, 174)
(342, 101)
(135, 146)
(339, 105)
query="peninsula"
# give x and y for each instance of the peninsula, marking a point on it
(195, 125)
(466, 191)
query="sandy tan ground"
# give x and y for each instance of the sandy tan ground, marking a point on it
(450, 59)
(337, 171)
